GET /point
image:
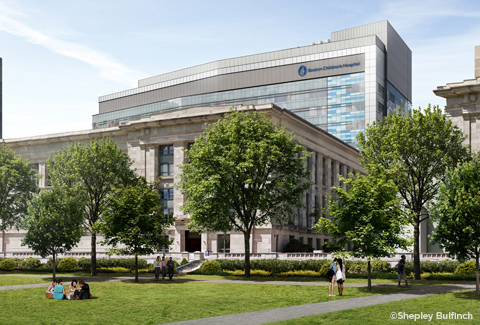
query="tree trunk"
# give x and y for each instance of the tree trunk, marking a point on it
(476, 272)
(246, 236)
(416, 247)
(93, 254)
(369, 270)
(136, 267)
(54, 269)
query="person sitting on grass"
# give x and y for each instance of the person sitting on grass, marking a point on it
(84, 292)
(71, 289)
(51, 288)
(59, 291)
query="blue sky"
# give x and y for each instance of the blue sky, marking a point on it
(60, 56)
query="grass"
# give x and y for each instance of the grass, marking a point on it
(149, 302)
(460, 302)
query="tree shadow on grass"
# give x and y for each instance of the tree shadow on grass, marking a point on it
(470, 295)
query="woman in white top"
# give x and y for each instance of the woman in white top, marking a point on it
(340, 276)
(71, 289)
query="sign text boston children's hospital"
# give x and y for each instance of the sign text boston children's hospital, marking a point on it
(303, 70)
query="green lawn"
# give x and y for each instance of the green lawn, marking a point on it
(460, 302)
(148, 302)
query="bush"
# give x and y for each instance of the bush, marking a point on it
(274, 266)
(33, 263)
(466, 268)
(68, 264)
(376, 275)
(356, 266)
(8, 264)
(221, 273)
(49, 263)
(85, 264)
(448, 266)
(261, 273)
(211, 266)
(379, 266)
(184, 261)
(295, 246)
(310, 274)
(324, 270)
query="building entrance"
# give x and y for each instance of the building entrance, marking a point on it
(193, 241)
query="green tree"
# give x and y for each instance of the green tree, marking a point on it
(134, 220)
(89, 173)
(367, 214)
(415, 152)
(243, 172)
(18, 184)
(54, 224)
(456, 213)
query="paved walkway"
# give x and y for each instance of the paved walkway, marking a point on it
(286, 313)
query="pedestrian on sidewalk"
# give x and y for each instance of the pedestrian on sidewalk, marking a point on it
(164, 268)
(340, 276)
(157, 265)
(332, 269)
(401, 271)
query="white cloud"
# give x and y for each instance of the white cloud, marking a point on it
(107, 66)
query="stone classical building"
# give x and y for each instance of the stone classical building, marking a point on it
(156, 146)
(463, 104)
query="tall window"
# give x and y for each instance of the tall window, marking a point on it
(164, 248)
(165, 160)
(307, 206)
(332, 174)
(316, 168)
(35, 168)
(167, 201)
(223, 243)
(324, 172)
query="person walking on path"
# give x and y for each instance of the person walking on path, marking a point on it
(332, 269)
(340, 276)
(164, 268)
(401, 271)
(171, 268)
(157, 264)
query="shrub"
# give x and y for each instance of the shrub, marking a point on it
(175, 263)
(379, 266)
(261, 273)
(356, 266)
(221, 273)
(324, 270)
(448, 266)
(68, 264)
(466, 268)
(33, 263)
(85, 264)
(49, 263)
(374, 275)
(8, 264)
(311, 274)
(273, 265)
(211, 266)
(295, 246)
(19, 262)
(184, 261)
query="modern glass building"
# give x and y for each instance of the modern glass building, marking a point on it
(340, 85)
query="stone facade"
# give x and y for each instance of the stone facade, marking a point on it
(463, 104)
(142, 139)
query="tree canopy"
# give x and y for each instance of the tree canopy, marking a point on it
(366, 214)
(54, 224)
(18, 184)
(133, 222)
(89, 173)
(415, 152)
(243, 172)
(456, 213)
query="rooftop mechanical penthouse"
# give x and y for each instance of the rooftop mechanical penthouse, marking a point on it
(341, 84)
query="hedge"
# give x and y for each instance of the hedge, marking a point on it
(7, 264)
(469, 267)
(128, 263)
(452, 277)
(273, 265)
(374, 275)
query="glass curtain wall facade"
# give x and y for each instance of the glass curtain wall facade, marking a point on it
(335, 104)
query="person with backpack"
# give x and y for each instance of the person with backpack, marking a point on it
(401, 271)
(332, 269)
